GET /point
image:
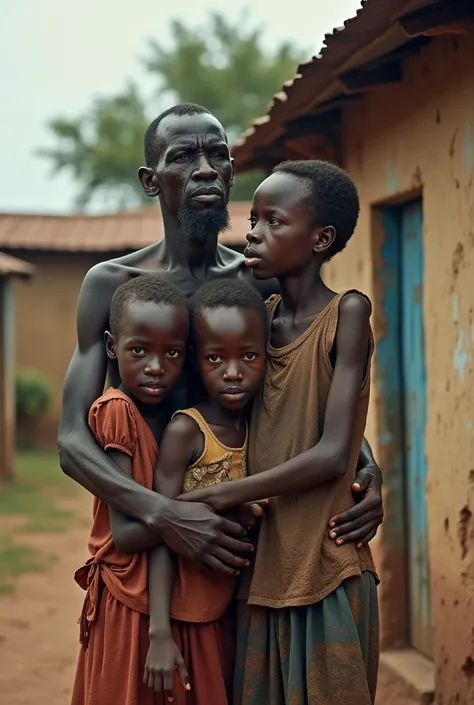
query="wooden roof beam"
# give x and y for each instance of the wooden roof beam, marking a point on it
(326, 123)
(445, 17)
(260, 160)
(312, 145)
(369, 79)
(313, 136)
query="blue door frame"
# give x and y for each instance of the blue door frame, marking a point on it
(402, 384)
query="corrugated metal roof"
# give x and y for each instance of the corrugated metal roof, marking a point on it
(342, 50)
(12, 266)
(105, 233)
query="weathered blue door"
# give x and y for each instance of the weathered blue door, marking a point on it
(413, 379)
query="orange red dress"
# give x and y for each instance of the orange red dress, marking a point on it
(115, 616)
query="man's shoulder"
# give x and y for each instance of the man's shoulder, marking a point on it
(230, 257)
(104, 276)
(113, 272)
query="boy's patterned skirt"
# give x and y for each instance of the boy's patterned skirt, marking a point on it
(323, 654)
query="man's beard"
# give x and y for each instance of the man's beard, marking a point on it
(203, 226)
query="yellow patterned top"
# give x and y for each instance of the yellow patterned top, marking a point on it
(217, 463)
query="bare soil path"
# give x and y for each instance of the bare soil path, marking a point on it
(38, 624)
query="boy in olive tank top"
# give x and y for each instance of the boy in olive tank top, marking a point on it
(309, 633)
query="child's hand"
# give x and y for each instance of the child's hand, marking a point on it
(248, 514)
(162, 660)
(212, 496)
(219, 497)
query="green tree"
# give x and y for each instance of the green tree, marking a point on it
(102, 149)
(222, 66)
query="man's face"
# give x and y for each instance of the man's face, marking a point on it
(194, 173)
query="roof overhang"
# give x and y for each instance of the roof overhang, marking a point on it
(366, 53)
(14, 267)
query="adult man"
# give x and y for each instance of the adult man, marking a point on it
(189, 168)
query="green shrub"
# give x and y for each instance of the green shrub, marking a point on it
(33, 394)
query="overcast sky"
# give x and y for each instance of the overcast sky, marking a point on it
(56, 55)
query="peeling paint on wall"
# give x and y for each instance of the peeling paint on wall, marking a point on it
(465, 530)
(393, 179)
(467, 148)
(398, 140)
(456, 309)
(461, 355)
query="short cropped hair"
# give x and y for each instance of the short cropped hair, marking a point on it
(145, 288)
(335, 200)
(228, 293)
(151, 155)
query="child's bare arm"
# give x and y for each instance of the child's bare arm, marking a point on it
(129, 535)
(329, 459)
(178, 447)
(181, 443)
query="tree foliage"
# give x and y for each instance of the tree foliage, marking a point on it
(103, 148)
(222, 65)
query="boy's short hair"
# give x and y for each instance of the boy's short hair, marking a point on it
(228, 293)
(334, 196)
(145, 288)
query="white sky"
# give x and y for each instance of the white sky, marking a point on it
(55, 55)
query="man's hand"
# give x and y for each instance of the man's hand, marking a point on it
(360, 523)
(194, 531)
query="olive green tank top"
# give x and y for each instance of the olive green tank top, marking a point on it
(296, 563)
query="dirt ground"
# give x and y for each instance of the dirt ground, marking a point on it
(38, 624)
(39, 631)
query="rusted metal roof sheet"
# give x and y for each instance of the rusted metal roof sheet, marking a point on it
(345, 46)
(105, 233)
(12, 266)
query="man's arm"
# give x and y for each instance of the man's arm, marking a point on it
(366, 455)
(197, 534)
(360, 522)
(329, 459)
(80, 456)
(129, 535)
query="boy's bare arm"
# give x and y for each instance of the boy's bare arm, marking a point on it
(198, 534)
(329, 459)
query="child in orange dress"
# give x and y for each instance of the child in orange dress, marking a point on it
(148, 336)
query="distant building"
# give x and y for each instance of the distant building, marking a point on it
(391, 99)
(10, 268)
(63, 249)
